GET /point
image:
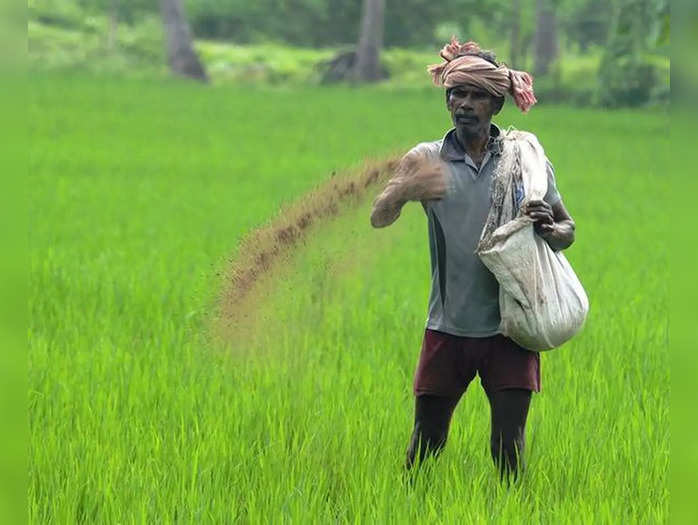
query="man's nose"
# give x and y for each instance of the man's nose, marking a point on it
(466, 102)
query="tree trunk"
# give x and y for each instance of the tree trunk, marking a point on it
(367, 68)
(180, 52)
(546, 45)
(515, 44)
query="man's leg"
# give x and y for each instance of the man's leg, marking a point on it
(509, 409)
(431, 421)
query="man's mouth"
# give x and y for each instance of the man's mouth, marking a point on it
(466, 118)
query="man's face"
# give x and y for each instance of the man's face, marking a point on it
(471, 108)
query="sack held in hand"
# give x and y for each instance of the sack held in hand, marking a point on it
(542, 303)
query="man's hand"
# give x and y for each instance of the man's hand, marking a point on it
(422, 179)
(417, 179)
(542, 213)
(552, 223)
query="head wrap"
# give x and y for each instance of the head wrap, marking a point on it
(463, 66)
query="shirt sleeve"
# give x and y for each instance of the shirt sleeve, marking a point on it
(552, 196)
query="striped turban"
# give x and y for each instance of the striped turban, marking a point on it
(463, 66)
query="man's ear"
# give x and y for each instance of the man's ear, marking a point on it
(497, 105)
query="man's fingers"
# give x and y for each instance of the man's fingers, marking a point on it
(539, 213)
(541, 217)
(529, 211)
(538, 207)
(435, 195)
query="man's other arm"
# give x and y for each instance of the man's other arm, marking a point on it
(553, 223)
(560, 234)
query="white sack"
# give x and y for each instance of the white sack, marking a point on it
(542, 303)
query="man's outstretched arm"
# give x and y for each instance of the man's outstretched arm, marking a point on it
(416, 179)
(387, 206)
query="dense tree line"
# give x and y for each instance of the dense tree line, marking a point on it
(526, 33)
(337, 22)
(407, 23)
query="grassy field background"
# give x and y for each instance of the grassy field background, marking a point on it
(140, 193)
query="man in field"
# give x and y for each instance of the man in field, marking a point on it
(452, 179)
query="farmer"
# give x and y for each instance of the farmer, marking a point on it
(451, 178)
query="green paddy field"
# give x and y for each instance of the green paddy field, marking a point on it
(140, 193)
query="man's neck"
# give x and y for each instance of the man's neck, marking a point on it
(474, 144)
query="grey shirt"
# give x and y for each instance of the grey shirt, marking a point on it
(464, 297)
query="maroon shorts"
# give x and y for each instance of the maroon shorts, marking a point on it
(448, 363)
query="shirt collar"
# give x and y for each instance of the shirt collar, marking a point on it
(451, 149)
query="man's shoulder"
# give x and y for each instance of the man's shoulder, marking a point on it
(519, 134)
(524, 138)
(427, 149)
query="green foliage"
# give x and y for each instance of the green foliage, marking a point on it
(588, 24)
(627, 80)
(61, 13)
(137, 50)
(572, 80)
(328, 23)
(75, 14)
(261, 64)
(300, 22)
(141, 191)
(633, 69)
(332, 22)
(628, 75)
